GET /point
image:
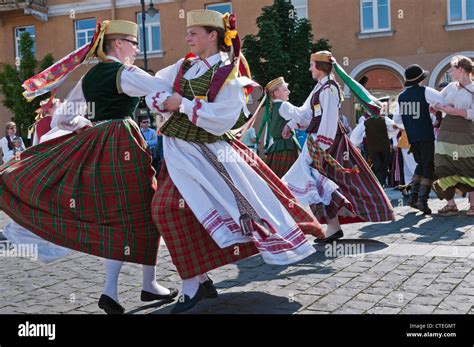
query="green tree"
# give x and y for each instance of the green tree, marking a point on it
(282, 47)
(11, 79)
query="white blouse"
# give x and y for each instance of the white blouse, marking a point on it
(71, 114)
(216, 117)
(460, 98)
(300, 117)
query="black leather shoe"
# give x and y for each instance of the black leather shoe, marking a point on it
(110, 306)
(211, 290)
(333, 237)
(185, 302)
(147, 296)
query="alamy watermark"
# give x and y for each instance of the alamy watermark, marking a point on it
(87, 109)
(19, 250)
(410, 108)
(334, 249)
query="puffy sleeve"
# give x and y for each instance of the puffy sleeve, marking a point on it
(71, 114)
(358, 134)
(391, 131)
(329, 101)
(4, 145)
(219, 116)
(297, 117)
(163, 88)
(137, 82)
(434, 97)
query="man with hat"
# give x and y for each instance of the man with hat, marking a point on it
(91, 191)
(282, 153)
(414, 108)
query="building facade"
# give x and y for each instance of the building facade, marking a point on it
(373, 38)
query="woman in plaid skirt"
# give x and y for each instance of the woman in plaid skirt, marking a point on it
(217, 202)
(341, 189)
(91, 191)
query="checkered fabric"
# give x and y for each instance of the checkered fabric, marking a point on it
(90, 192)
(192, 250)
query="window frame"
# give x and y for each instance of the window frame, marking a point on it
(464, 19)
(300, 7)
(76, 31)
(149, 28)
(219, 4)
(17, 40)
(375, 17)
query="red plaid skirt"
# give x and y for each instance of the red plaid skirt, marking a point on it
(192, 250)
(362, 190)
(90, 192)
(280, 162)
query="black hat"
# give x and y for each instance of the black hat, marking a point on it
(363, 81)
(414, 74)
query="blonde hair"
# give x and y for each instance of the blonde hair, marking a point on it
(10, 124)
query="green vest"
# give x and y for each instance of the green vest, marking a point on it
(276, 123)
(179, 125)
(101, 86)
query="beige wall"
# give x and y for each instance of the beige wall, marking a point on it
(420, 37)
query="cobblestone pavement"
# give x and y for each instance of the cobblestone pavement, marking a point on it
(412, 265)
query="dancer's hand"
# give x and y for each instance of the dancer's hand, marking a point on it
(286, 133)
(173, 102)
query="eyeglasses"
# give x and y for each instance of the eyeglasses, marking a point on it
(145, 121)
(11, 128)
(134, 43)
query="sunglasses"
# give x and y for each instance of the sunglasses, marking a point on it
(145, 121)
(134, 43)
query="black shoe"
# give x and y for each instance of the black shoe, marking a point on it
(147, 296)
(333, 237)
(211, 290)
(413, 202)
(423, 199)
(423, 207)
(110, 306)
(185, 302)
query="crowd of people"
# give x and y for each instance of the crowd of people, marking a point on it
(103, 185)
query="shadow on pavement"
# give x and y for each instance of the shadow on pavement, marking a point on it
(250, 302)
(149, 306)
(255, 270)
(430, 231)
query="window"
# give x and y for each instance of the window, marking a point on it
(301, 8)
(84, 29)
(460, 11)
(152, 33)
(18, 32)
(375, 15)
(224, 7)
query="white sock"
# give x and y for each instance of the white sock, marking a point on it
(333, 226)
(149, 281)
(112, 272)
(190, 286)
(203, 278)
